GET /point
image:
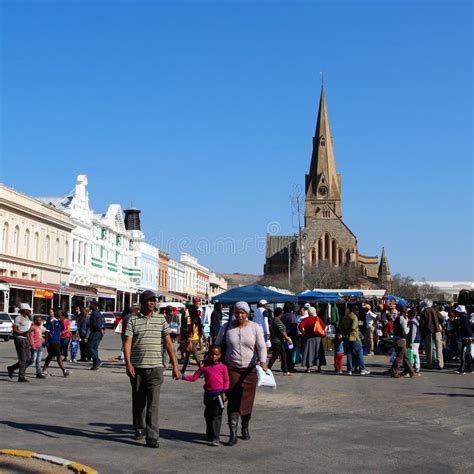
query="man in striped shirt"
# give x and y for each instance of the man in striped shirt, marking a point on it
(145, 336)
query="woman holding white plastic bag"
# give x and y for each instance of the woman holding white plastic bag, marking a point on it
(243, 347)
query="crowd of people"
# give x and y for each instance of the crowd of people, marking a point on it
(228, 353)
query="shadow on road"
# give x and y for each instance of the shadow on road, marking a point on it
(170, 435)
(468, 395)
(52, 431)
(458, 388)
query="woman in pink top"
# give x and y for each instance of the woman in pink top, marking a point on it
(65, 334)
(216, 384)
(35, 337)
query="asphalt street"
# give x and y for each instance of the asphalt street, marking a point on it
(312, 422)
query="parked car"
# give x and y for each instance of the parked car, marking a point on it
(109, 319)
(6, 326)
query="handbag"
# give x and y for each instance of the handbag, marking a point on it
(411, 355)
(319, 328)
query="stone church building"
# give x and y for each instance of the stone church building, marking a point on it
(325, 238)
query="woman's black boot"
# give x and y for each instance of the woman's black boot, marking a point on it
(245, 427)
(233, 425)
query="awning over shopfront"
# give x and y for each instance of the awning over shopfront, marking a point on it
(30, 285)
(178, 297)
(169, 296)
(83, 291)
(104, 292)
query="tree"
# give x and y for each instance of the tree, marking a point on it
(324, 276)
(405, 287)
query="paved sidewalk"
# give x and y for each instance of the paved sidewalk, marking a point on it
(312, 422)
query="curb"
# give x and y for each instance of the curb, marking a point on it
(71, 465)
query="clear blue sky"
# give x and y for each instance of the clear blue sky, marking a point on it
(202, 114)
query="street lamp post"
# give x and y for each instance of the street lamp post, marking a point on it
(60, 279)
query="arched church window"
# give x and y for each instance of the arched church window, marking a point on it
(341, 256)
(327, 243)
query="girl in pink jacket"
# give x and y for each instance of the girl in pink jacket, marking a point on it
(216, 384)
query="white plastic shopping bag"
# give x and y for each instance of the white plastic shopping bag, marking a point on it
(118, 329)
(265, 379)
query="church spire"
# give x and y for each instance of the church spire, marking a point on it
(323, 183)
(383, 275)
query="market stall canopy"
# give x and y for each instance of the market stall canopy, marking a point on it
(397, 299)
(252, 294)
(330, 296)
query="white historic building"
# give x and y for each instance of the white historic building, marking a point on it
(34, 251)
(105, 259)
(149, 267)
(196, 277)
(217, 285)
(176, 276)
(76, 205)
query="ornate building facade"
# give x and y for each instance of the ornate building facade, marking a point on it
(326, 237)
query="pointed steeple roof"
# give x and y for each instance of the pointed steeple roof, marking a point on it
(384, 269)
(323, 163)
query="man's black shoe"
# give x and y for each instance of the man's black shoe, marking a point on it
(22, 379)
(95, 368)
(152, 443)
(10, 372)
(138, 435)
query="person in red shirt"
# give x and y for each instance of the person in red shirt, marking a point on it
(216, 384)
(65, 334)
(35, 337)
(388, 329)
(313, 352)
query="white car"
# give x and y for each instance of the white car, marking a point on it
(6, 326)
(109, 320)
